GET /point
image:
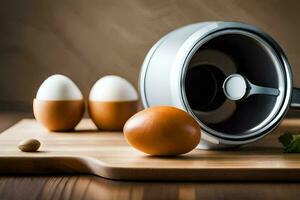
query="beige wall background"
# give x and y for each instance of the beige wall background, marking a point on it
(87, 39)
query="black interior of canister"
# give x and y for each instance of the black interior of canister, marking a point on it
(204, 87)
(254, 62)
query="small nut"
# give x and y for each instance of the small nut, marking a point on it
(29, 145)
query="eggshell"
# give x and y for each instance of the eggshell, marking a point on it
(59, 104)
(162, 131)
(113, 88)
(58, 87)
(112, 101)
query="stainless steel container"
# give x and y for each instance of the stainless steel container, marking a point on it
(231, 77)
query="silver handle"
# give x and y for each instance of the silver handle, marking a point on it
(255, 89)
(237, 87)
(295, 103)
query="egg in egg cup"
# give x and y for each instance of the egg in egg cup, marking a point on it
(59, 104)
(112, 101)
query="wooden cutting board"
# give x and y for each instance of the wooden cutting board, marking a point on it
(107, 154)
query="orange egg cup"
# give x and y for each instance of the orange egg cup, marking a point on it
(111, 115)
(58, 115)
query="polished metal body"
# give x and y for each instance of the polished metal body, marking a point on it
(220, 49)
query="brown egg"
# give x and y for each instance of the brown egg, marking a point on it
(59, 104)
(162, 131)
(112, 101)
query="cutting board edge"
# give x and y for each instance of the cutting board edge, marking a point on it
(89, 165)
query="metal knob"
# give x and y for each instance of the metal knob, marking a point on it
(237, 87)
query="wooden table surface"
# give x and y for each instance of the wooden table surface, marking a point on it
(91, 187)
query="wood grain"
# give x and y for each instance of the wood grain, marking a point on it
(87, 39)
(106, 154)
(92, 187)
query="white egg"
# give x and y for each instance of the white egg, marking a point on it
(113, 88)
(58, 87)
